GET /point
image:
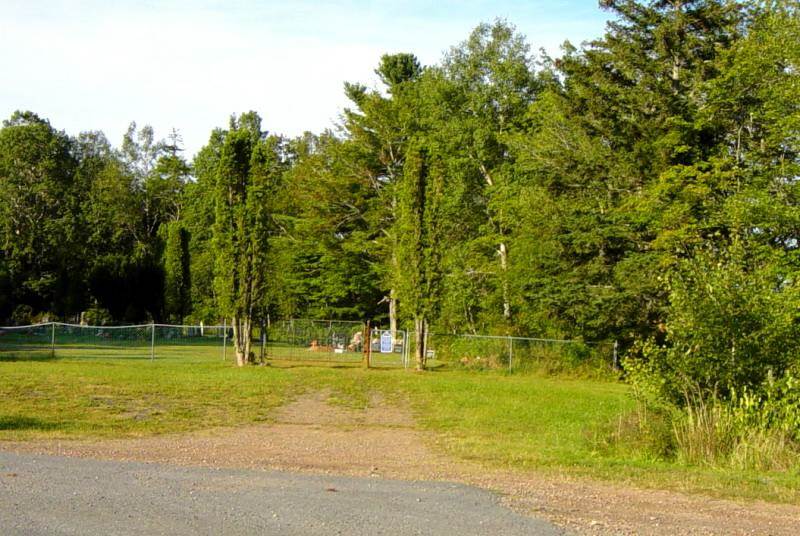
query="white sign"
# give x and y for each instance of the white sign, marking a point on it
(386, 342)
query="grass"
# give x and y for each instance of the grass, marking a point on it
(519, 421)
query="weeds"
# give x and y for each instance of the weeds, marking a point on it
(751, 431)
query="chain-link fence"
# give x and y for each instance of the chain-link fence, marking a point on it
(330, 341)
(516, 353)
(334, 341)
(145, 341)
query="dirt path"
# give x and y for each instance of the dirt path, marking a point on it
(312, 435)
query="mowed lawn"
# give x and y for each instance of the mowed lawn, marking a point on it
(518, 421)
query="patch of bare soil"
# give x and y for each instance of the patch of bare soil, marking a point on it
(313, 435)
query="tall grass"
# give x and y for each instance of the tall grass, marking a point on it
(751, 432)
(738, 433)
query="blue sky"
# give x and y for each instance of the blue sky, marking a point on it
(92, 64)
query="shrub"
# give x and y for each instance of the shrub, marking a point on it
(97, 316)
(22, 315)
(733, 320)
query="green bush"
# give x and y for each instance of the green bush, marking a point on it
(97, 316)
(727, 369)
(22, 315)
(733, 321)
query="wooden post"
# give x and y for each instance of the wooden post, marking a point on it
(224, 337)
(367, 344)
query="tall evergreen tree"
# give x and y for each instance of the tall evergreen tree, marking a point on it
(617, 121)
(421, 240)
(177, 275)
(248, 172)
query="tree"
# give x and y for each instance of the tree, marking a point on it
(177, 275)
(396, 69)
(378, 131)
(40, 218)
(613, 133)
(481, 95)
(131, 195)
(733, 320)
(325, 254)
(157, 177)
(247, 175)
(199, 202)
(421, 234)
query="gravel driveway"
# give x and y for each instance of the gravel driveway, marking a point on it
(41, 494)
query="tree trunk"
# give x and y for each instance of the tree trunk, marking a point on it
(503, 251)
(392, 313)
(421, 350)
(504, 275)
(242, 328)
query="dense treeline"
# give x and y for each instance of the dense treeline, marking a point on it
(83, 224)
(641, 188)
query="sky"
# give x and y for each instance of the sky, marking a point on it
(188, 65)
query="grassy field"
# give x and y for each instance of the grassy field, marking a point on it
(520, 421)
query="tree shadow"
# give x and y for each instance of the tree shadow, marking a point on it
(27, 356)
(70, 355)
(310, 364)
(20, 422)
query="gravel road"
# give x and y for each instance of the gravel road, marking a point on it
(42, 494)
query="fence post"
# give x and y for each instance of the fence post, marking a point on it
(224, 337)
(52, 339)
(406, 342)
(510, 352)
(263, 340)
(616, 356)
(367, 344)
(152, 341)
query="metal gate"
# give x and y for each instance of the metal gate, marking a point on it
(334, 341)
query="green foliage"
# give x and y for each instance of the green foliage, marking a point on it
(198, 219)
(773, 406)
(751, 432)
(733, 321)
(23, 315)
(39, 213)
(247, 172)
(420, 229)
(97, 316)
(395, 69)
(177, 274)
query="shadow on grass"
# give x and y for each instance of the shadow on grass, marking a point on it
(285, 364)
(19, 422)
(27, 356)
(73, 354)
